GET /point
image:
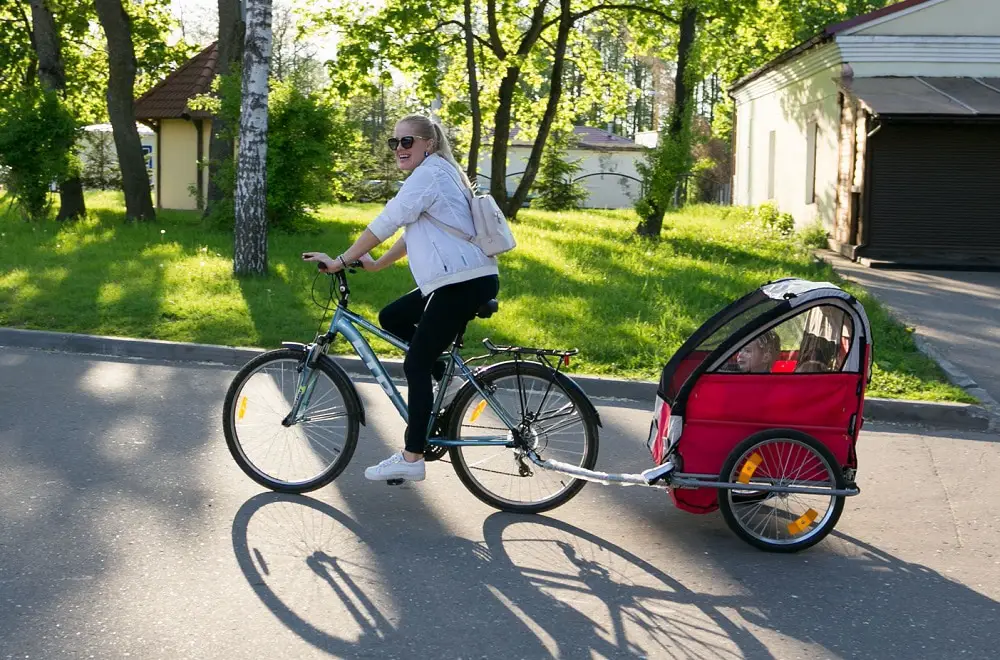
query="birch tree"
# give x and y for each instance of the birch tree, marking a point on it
(250, 253)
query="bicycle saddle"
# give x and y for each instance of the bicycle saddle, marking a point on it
(488, 309)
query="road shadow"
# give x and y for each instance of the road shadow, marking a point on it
(535, 588)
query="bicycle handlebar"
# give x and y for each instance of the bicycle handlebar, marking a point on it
(341, 276)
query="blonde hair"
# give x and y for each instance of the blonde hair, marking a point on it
(431, 130)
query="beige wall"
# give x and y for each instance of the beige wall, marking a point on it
(607, 192)
(788, 105)
(178, 162)
(942, 18)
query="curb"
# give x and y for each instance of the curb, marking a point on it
(989, 408)
(960, 416)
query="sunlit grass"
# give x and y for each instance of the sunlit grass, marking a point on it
(577, 280)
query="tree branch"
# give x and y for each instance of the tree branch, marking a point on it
(491, 19)
(537, 26)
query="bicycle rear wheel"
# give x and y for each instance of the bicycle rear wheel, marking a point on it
(557, 421)
(301, 457)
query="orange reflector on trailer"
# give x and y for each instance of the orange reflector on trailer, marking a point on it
(479, 410)
(799, 526)
(243, 408)
(749, 468)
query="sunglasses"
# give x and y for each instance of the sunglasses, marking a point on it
(405, 142)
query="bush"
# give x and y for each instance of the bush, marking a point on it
(555, 189)
(310, 156)
(813, 236)
(37, 134)
(768, 216)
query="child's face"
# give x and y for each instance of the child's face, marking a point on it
(753, 358)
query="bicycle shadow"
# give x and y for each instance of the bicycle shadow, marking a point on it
(356, 590)
(539, 587)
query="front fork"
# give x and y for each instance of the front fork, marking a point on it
(307, 380)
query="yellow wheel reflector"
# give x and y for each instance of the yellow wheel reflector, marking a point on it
(243, 408)
(749, 468)
(799, 526)
(478, 410)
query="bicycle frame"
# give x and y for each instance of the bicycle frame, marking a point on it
(346, 323)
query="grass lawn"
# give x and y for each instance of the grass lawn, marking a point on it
(579, 280)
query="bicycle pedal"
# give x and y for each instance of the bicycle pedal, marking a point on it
(395, 482)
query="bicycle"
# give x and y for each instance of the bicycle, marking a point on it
(506, 425)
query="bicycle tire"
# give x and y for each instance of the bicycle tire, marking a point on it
(489, 379)
(732, 505)
(231, 416)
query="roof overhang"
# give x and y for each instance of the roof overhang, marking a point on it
(829, 34)
(912, 96)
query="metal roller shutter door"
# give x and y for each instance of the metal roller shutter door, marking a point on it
(935, 191)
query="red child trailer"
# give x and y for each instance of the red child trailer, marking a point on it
(758, 413)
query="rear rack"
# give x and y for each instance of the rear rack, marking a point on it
(493, 348)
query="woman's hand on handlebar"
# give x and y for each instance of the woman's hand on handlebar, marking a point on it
(325, 262)
(367, 263)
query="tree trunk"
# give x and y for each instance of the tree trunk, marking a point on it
(682, 93)
(501, 119)
(250, 253)
(477, 116)
(121, 109)
(52, 74)
(501, 137)
(555, 93)
(230, 45)
(652, 223)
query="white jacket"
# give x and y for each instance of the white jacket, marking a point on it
(437, 258)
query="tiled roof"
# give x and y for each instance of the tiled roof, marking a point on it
(169, 98)
(589, 137)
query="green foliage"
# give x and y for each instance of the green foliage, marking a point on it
(36, 136)
(311, 149)
(814, 236)
(308, 142)
(662, 170)
(376, 110)
(555, 189)
(768, 216)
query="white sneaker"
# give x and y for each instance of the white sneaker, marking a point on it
(396, 467)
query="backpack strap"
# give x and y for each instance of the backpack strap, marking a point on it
(451, 230)
(454, 231)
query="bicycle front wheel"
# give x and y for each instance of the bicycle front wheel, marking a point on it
(290, 457)
(555, 421)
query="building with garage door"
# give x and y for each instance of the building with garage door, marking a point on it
(886, 128)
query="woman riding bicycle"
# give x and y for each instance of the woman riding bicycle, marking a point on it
(453, 276)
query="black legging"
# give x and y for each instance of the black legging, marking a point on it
(430, 324)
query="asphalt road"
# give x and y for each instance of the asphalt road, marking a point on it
(958, 312)
(127, 531)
